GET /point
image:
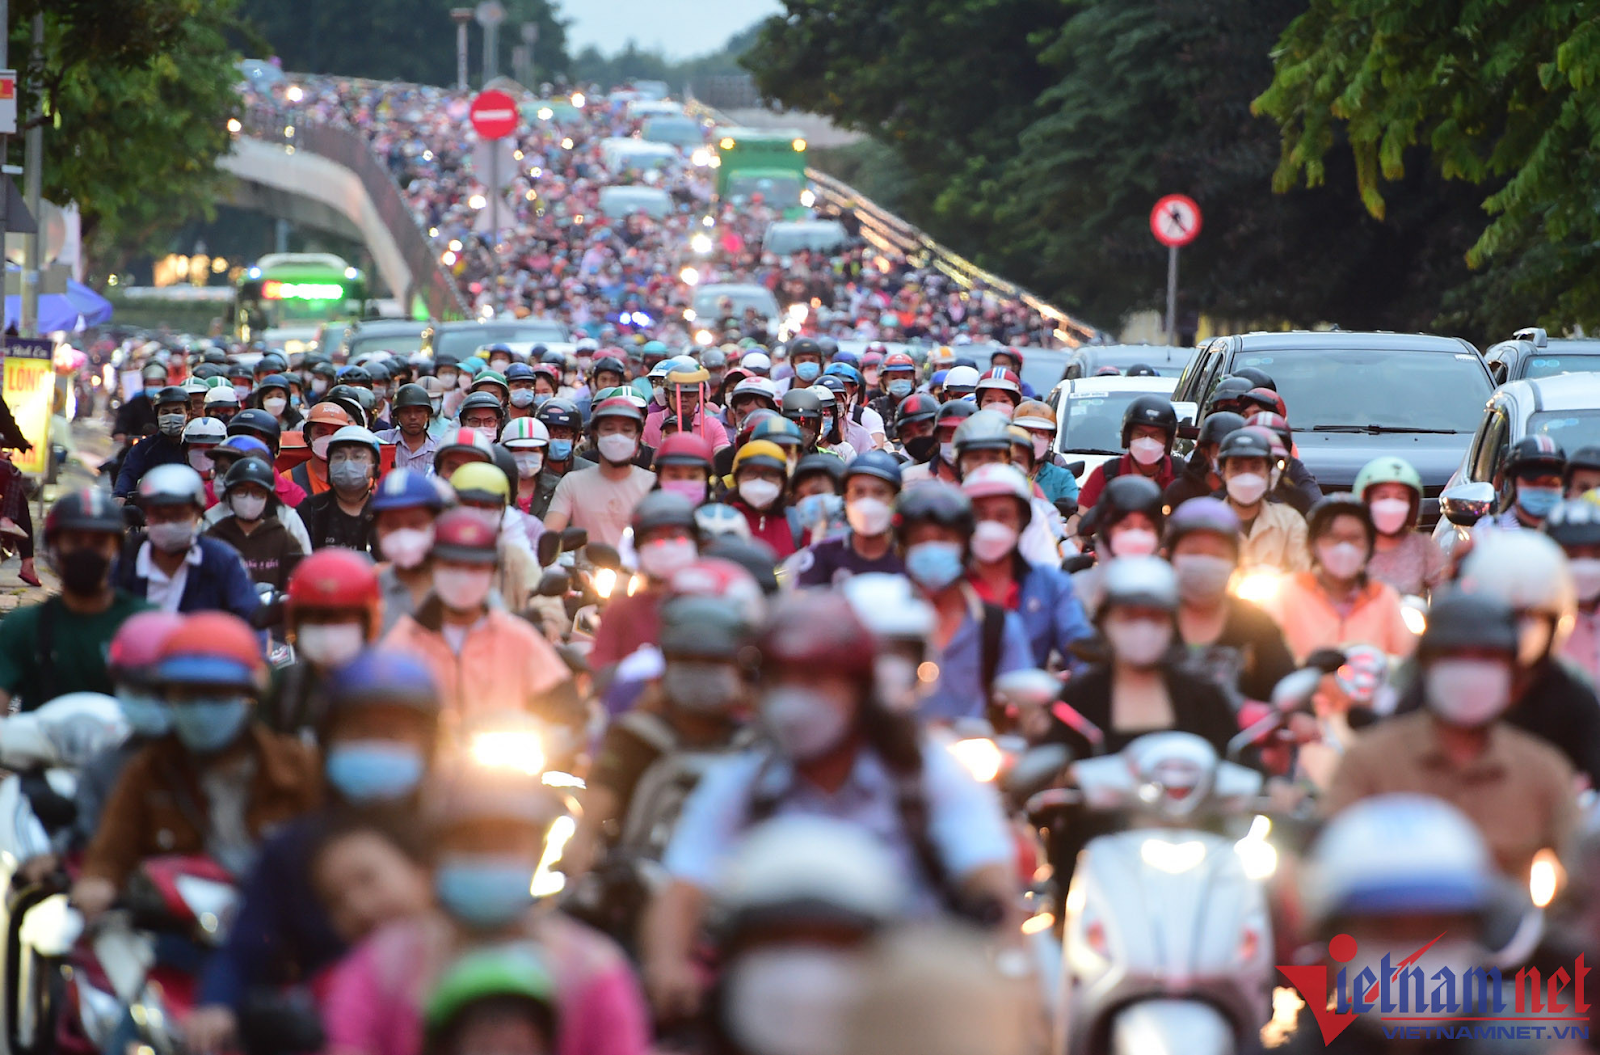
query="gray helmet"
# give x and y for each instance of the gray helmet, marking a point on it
(1461, 620)
(805, 401)
(172, 485)
(705, 628)
(984, 431)
(1144, 581)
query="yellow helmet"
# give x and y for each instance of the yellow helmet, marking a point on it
(481, 481)
(763, 453)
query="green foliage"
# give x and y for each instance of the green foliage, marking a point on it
(1504, 95)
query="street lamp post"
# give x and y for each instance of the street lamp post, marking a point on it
(462, 17)
(490, 13)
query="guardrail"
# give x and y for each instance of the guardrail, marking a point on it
(432, 282)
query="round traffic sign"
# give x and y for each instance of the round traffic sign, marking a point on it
(1175, 220)
(493, 114)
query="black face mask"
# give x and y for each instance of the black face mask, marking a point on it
(922, 448)
(83, 571)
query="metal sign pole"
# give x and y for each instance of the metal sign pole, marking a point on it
(494, 202)
(1172, 295)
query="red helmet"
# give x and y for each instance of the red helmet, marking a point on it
(1002, 379)
(1273, 423)
(684, 448)
(817, 630)
(898, 361)
(460, 536)
(723, 580)
(335, 579)
(1267, 400)
(211, 648)
(137, 644)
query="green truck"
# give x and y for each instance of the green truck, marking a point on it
(770, 162)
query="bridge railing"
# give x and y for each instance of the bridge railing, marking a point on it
(430, 280)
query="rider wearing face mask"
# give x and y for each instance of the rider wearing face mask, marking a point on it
(1575, 526)
(378, 737)
(1336, 603)
(939, 461)
(599, 499)
(1201, 474)
(485, 659)
(1531, 481)
(1039, 421)
(217, 782)
(1126, 523)
(330, 613)
(251, 524)
(1041, 595)
(1518, 791)
(1149, 426)
(404, 507)
(413, 439)
(760, 478)
(324, 420)
(1274, 534)
(664, 543)
(485, 491)
(163, 448)
(897, 379)
(828, 732)
(1403, 557)
(272, 396)
(172, 565)
(805, 360)
(871, 484)
(341, 515)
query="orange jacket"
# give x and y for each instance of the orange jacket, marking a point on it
(1309, 620)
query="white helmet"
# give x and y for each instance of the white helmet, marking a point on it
(756, 363)
(714, 520)
(809, 866)
(889, 606)
(205, 430)
(1397, 855)
(961, 377)
(760, 386)
(222, 394)
(1528, 572)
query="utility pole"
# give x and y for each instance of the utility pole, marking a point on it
(462, 17)
(34, 163)
(490, 13)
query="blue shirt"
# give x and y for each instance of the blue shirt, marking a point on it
(959, 692)
(1052, 616)
(1056, 482)
(965, 823)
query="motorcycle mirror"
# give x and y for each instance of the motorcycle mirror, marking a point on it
(604, 556)
(547, 549)
(132, 516)
(274, 1024)
(1076, 468)
(1512, 927)
(1028, 687)
(1294, 692)
(574, 538)
(1037, 770)
(554, 583)
(267, 616)
(1067, 507)
(1467, 503)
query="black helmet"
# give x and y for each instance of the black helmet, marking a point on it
(1150, 410)
(703, 628)
(482, 401)
(831, 465)
(1582, 458)
(918, 406)
(608, 363)
(1125, 495)
(560, 413)
(256, 423)
(804, 346)
(1460, 620)
(1342, 503)
(518, 372)
(356, 376)
(240, 372)
(1244, 443)
(954, 412)
(662, 509)
(1575, 522)
(935, 502)
(1228, 389)
(412, 396)
(802, 402)
(753, 555)
(215, 356)
(1536, 451)
(1217, 426)
(1140, 370)
(250, 471)
(171, 394)
(272, 381)
(1258, 378)
(89, 509)
(272, 362)
(323, 368)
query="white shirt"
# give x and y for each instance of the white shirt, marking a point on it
(163, 592)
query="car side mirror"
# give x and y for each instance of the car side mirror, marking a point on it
(1188, 419)
(1467, 503)
(604, 556)
(548, 548)
(554, 583)
(1037, 770)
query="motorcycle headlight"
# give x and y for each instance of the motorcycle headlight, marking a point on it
(521, 750)
(1257, 586)
(605, 580)
(978, 756)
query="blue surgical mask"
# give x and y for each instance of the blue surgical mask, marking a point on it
(560, 450)
(900, 388)
(486, 891)
(374, 770)
(807, 372)
(207, 726)
(934, 565)
(1538, 501)
(146, 714)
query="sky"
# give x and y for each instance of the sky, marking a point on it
(680, 29)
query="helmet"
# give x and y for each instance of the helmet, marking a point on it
(242, 447)
(962, 377)
(1458, 620)
(714, 520)
(172, 485)
(471, 366)
(804, 346)
(1228, 390)
(205, 430)
(1244, 443)
(662, 509)
(1528, 571)
(898, 361)
(761, 453)
(801, 403)
(1336, 505)
(1108, 371)
(1150, 410)
(756, 386)
(1210, 515)
(933, 503)
(223, 394)
(1258, 378)
(211, 650)
(880, 464)
(412, 395)
(695, 626)
(983, 431)
(688, 376)
(1274, 423)
(757, 363)
(684, 448)
(1126, 495)
(778, 430)
(1575, 522)
(608, 363)
(482, 482)
(406, 489)
(987, 481)
(328, 413)
(250, 471)
(1140, 370)
(357, 435)
(811, 870)
(481, 401)
(137, 644)
(257, 423)
(559, 413)
(845, 372)
(817, 630)
(616, 407)
(272, 381)
(1144, 581)
(516, 972)
(918, 406)
(889, 606)
(356, 376)
(1536, 451)
(175, 394)
(828, 464)
(335, 579)
(1217, 426)
(1267, 400)
(519, 372)
(383, 676)
(1387, 470)
(491, 379)
(1396, 855)
(1034, 414)
(463, 440)
(1000, 379)
(524, 434)
(460, 536)
(953, 413)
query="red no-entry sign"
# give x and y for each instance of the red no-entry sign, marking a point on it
(493, 114)
(1175, 220)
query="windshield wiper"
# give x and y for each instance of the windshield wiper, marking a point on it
(1091, 450)
(1376, 429)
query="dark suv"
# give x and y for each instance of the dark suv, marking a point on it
(1355, 396)
(1532, 353)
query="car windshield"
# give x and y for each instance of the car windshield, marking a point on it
(1548, 365)
(707, 300)
(399, 343)
(774, 189)
(820, 236)
(680, 131)
(1094, 422)
(1041, 368)
(463, 342)
(1572, 429)
(1390, 388)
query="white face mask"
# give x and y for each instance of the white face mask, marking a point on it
(792, 1000)
(1041, 444)
(992, 540)
(803, 723)
(318, 387)
(528, 462)
(319, 447)
(759, 493)
(665, 557)
(617, 448)
(1201, 578)
(173, 537)
(1389, 515)
(407, 547)
(330, 645)
(947, 453)
(522, 397)
(1138, 642)
(1147, 451)
(868, 516)
(274, 405)
(200, 462)
(462, 589)
(1342, 560)
(1134, 542)
(248, 507)
(1466, 691)
(1001, 407)
(1586, 577)
(1247, 488)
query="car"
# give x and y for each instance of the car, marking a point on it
(1353, 397)
(742, 295)
(1089, 416)
(1533, 353)
(674, 128)
(791, 236)
(1565, 407)
(619, 201)
(1087, 359)
(400, 336)
(620, 153)
(462, 339)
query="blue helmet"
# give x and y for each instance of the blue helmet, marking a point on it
(406, 489)
(846, 358)
(383, 676)
(846, 371)
(880, 464)
(518, 372)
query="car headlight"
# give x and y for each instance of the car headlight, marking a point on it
(521, 750)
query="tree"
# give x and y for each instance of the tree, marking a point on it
(1506, 97)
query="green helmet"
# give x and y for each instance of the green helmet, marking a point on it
(501, 971)
(1387, 470)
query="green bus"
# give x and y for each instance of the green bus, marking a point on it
(766, 161)
(284, 297)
